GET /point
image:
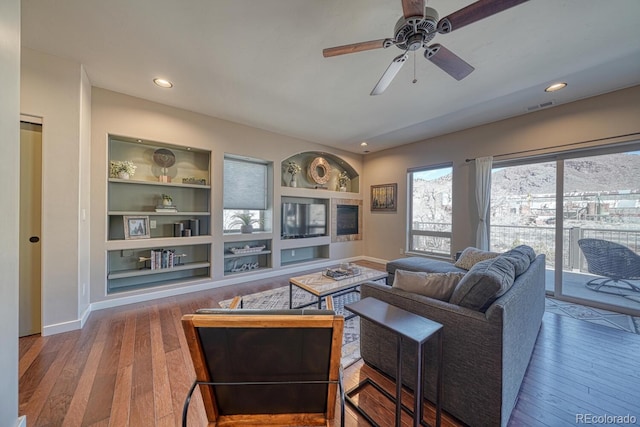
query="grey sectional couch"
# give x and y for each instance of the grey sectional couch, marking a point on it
(486, 353)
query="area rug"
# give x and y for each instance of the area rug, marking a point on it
(279, 298)
(598, 316)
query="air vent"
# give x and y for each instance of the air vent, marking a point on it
(541, 106)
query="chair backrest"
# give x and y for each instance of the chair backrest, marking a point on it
(266, 366)
(610, 259)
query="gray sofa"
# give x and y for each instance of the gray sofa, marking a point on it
(486, 352)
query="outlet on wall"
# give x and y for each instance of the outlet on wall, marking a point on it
(152, 223)
(293, 252)
(401, 251)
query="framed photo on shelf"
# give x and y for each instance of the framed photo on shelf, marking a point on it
(384, 198)
(136, 227)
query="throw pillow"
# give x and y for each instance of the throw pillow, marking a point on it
(433, 285)
(521, 258)
(487, 281)
(471, 256)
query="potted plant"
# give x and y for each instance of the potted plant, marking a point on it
(246, 221)
(122, 169)
(343, 180)
(293, 168)
(167, 200)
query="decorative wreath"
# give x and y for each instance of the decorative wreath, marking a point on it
(320, 170)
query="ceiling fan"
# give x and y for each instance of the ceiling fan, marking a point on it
(416, 28)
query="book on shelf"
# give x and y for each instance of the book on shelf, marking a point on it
(166, 208)
(162, 258)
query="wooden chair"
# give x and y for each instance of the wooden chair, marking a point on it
(266, 367)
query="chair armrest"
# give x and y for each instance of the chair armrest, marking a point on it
(236, 302)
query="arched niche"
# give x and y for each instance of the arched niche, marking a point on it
(320, 170)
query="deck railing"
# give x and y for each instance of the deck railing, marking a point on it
(542, 239)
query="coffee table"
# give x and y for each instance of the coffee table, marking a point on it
(321, 286)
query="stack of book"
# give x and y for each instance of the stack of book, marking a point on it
(166, 208)
(162, 258)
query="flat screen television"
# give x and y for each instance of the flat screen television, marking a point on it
(301, 220)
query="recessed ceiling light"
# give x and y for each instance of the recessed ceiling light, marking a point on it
(556, 86)
(163, 83)
(363, 144)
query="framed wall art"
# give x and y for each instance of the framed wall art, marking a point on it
(384, 198)
(136, 227)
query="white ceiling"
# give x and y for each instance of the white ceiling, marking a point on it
(260, 63)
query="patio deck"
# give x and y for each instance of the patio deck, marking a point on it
(574, 287)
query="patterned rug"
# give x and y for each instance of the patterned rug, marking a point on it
(279, 298)
(598, 316)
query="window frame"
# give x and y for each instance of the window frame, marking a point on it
(411, 233)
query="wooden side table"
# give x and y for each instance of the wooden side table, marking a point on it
(404, 325)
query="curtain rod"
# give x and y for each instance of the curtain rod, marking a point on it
(533, 150)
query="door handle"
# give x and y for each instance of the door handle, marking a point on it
(34, 239)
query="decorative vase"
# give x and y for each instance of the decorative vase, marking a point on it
(246, 229)
(166, 202)
(293, 182)
(343, 188)
(123, 175)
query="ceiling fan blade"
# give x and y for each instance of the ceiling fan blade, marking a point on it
(412, 8)
(352, 48)
(390, 73)
(448, 61)
(475, 12)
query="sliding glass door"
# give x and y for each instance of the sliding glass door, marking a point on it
(523, 211)
(582, 210)
(601, 204)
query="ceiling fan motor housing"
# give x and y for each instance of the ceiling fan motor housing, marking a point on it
(415, 32)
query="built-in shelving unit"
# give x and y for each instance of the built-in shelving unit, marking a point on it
(184, 175)
(320, 171)
(245, 256)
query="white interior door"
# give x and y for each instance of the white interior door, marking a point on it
(30, 296)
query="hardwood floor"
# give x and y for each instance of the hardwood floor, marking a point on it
(130, 366)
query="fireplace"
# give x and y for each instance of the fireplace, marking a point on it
(346, 220)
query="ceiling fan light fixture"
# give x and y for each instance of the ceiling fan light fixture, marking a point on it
(163, 83)
(555, 87)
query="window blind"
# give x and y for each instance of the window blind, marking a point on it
(245, 184)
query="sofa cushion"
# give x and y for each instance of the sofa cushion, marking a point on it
(520, 257)
(433, 285)
(487, 281)
(470, 256)
(422, 264)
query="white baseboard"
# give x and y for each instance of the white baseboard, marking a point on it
(59, 328)
(371, 259)
(149, 296)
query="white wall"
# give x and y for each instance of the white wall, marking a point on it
(84, 202)
(9, 194)
(119, 114)
(53, 88)
(603, 116)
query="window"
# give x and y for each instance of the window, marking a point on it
(246, 191)
(430, 210)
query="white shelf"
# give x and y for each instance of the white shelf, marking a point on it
(304, 242)
(158, 183)
(245, 237)
(255, 270)
(154, 213)
(113, 245)
(148, 271)
(247, 254)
